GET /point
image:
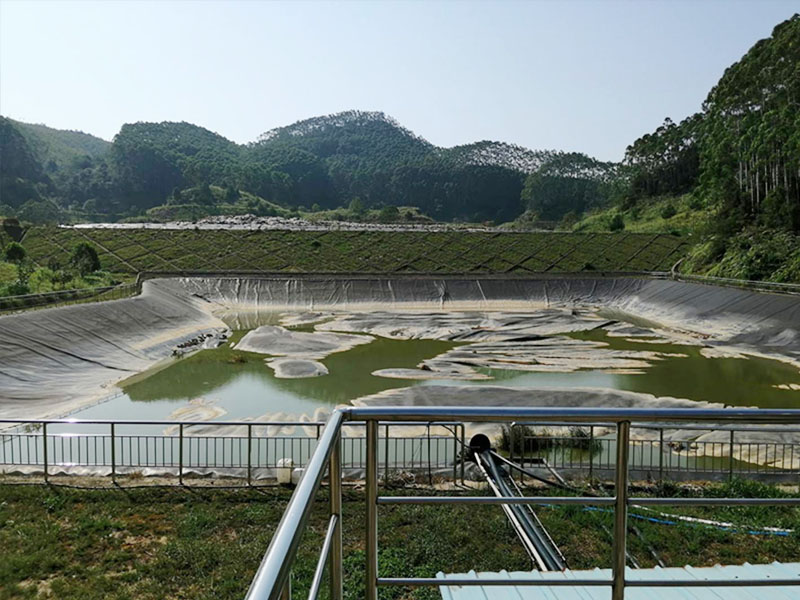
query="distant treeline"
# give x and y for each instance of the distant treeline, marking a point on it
(321, 163)
(740, 155)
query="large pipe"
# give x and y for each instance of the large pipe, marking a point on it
(545, 548)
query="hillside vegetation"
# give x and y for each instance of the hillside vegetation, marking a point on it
(726, 178)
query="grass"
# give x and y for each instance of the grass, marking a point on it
(207, 543)
(649, 216)
(411, 252)
(171, 543)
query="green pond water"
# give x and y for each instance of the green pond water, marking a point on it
(243, 386)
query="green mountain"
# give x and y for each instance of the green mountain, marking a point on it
(151, 160)
(328, 162)
(60, 149)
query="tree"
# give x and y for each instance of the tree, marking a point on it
(84, 259)
(15, 252)
(356, 207)
(231, 194)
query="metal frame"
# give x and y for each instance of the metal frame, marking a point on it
(274, 573)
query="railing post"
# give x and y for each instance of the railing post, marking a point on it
(661, 454)
(591, 453)
(619, 549)
(430, 470)
(180, 453)
(386, 456)
(335, 477)
(730, 459)
(463, 454)
(455, 454)
(44, 452)
(113, 454)
(249, 454)
(372, 511)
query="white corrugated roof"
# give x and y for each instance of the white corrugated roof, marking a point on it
(746, 571)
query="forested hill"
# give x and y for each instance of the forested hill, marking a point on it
(58, 148)
(730, 172)
(355, 157)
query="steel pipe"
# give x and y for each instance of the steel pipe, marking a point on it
(316, 582)
(337, 553)
(565, 500)
(463, 581)
(619, 546)
(273, 572)
(372, 511)
(573, 415)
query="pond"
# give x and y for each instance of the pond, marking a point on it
(229, 384)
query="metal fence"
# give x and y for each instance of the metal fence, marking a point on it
(234, 448)
(253, 449)
(64, 297)
(273, 578)
(591, 451)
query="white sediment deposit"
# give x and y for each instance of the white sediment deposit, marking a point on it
(465, 326)
(422, 374)
(296, 368)
(197, 409)
(553, 354)
(279, 341)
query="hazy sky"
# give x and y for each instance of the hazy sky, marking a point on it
(589, 76)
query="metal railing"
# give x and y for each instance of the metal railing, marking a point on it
(248, 448)
(272, 580)
(239, 446)
(590, 449)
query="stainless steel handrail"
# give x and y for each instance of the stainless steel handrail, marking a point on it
(274, 571)
(270, 581)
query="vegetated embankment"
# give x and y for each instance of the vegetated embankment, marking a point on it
(319, 251)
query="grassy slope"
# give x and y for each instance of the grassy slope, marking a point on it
(756, 254)
(646, 217)
(206, 543)
(360, 251)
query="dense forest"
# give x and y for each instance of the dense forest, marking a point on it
(735, 164)
(729, 174)
(322, 163)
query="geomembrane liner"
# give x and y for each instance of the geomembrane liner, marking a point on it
(57, 360)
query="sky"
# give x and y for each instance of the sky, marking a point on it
(588, 76)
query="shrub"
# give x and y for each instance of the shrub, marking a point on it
(695, 203)
(617, 223)
(668, 211)
(389, 214)
(15, 252)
